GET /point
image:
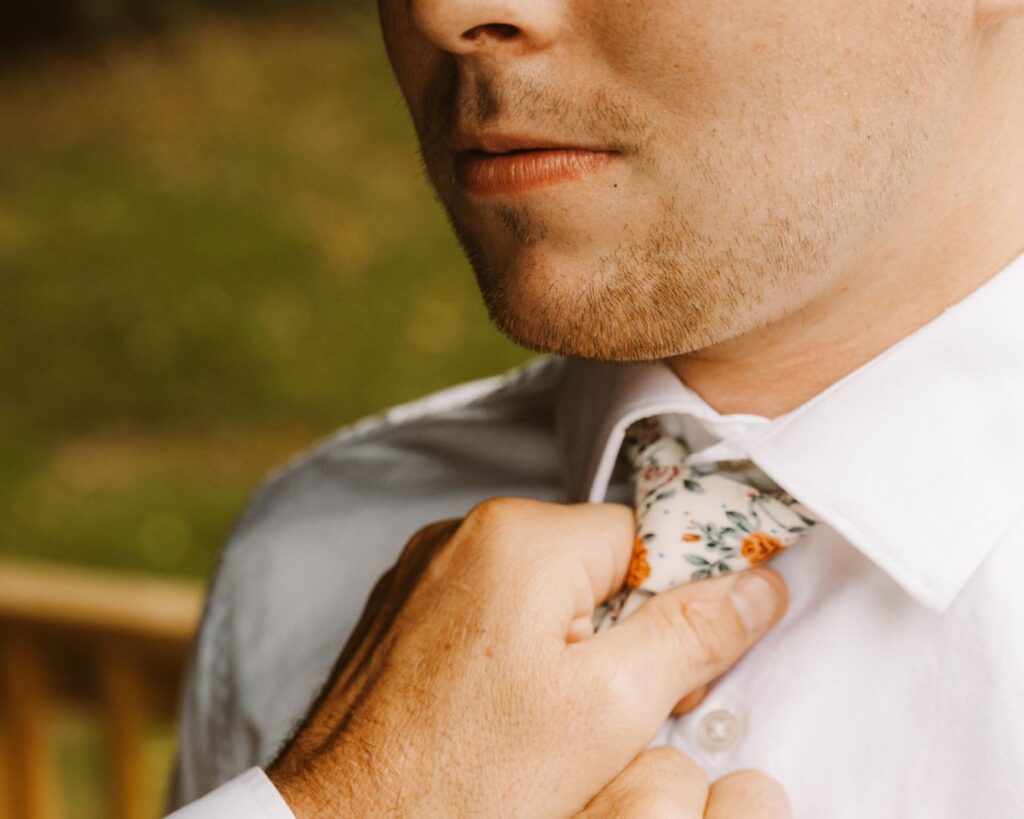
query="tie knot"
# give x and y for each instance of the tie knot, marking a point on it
(696, 521)
(732, 514)
(661, 441)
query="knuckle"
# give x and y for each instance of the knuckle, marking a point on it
(490, 528)
(428, 535)
(478, 548)
(426, 563)
(424, 545)
(380, 589)
(495, 511)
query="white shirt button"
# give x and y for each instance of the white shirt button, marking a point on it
(719, 730)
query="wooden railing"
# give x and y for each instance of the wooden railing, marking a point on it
(117, 643)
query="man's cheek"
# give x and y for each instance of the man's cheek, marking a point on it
(412, 57)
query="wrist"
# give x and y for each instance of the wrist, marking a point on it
(317, 785)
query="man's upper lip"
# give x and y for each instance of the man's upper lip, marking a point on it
(503, 143)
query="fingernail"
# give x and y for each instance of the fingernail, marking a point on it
(755, 599)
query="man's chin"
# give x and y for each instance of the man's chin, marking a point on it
(589, 345)
(610, 307)
(577, 325)
(545, 306)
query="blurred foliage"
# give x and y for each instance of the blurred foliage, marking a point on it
(74, 23)
(216, 245)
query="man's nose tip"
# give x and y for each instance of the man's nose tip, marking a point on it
(477, 26)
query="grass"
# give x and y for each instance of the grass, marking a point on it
(216, 246)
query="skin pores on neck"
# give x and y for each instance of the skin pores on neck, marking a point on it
(785, 189)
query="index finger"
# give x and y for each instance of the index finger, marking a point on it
(569, 558)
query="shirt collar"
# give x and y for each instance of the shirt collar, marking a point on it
(914, 458)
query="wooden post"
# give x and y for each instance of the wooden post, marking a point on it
(124, 718)
(30, 774)
(58, 628)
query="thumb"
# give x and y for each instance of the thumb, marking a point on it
(685, 637)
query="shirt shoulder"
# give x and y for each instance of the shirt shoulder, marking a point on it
(319, 532)
(500, 426)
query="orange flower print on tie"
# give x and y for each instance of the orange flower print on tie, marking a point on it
(757, 547)
(639, 568)
(697, 520)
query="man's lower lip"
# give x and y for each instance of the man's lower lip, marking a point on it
(503, 174)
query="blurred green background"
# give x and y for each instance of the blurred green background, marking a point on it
(216, 246)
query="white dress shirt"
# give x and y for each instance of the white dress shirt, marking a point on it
(894, 685)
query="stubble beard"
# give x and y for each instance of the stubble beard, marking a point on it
(666, 292)
(669, 293)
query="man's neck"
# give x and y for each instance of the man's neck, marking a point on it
(963, 226)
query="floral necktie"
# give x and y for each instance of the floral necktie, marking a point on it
(695, 522)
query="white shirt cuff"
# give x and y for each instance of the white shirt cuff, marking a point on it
(250, 795)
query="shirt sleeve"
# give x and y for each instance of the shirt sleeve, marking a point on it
(250, 795)
(215, 740)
